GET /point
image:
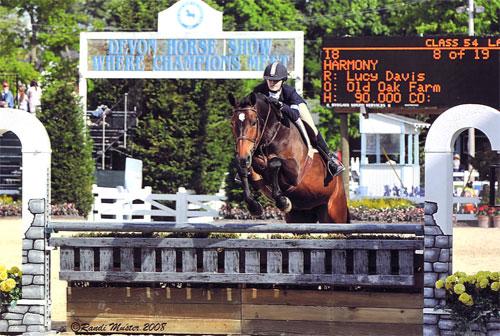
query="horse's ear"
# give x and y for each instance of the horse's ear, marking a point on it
(231, 99)
(253, 98)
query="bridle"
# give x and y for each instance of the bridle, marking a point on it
(258, 138)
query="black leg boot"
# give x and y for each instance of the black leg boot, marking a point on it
(335, 167)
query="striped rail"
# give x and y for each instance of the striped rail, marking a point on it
(366, 261)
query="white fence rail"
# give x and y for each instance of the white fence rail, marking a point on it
(119, 204)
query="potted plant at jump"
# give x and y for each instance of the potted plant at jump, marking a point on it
(496, 218)
(472, 301)
(10, 287)
(483, 219)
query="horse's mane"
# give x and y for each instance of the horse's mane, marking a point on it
(262, 101)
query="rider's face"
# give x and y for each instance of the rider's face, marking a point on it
(274, 85)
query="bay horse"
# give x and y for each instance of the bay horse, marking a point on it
(273, 157)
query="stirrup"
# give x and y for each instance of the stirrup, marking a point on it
(334, 168)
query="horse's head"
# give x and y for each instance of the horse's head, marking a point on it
(250, 118)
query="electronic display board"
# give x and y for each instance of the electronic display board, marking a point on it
(410, 71)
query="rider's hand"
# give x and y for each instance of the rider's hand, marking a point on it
(275, 102)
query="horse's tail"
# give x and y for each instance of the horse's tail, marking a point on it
(348, 215)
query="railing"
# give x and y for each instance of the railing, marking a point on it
(367, 261)
(142, 205)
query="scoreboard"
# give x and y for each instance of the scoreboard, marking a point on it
(410, 71)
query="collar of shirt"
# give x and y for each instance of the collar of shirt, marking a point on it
(276, 94)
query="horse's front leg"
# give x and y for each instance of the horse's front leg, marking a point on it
(282, 202)
(253, 206)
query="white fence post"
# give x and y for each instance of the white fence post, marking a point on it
(148, 191)
(96, 215)
(181, 206)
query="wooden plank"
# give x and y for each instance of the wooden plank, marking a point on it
(339, 265)
(210, 261)
(405, 259)
(295, 262)
(211, 243)
(263, 278)
(189, 260)
(231, 261)
(165, 310)
(105, 259)
(360, 262)
(317, 262)
(154, 325)
(148, 260)
(236, 227)
(331, 298)
(126, 259)
(319, 328)
(274, 261)
(67, 261)
(168, 260)
(174, 295)
(86, 259)
(383, 262)
(331, 314)
(252, 261)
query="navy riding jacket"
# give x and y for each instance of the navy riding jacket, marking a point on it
(288, 96)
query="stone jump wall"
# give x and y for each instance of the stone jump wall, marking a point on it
(31, 315)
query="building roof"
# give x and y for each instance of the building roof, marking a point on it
(379, 123)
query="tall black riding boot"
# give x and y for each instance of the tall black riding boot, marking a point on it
(335, 167)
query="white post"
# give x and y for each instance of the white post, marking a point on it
(181, 206)
(125, 122)
(96, 206)
(103, 159)
(410, 149)
(416, 150)
(402, 149)
(471, 132)
(299, 64)
(377, 148)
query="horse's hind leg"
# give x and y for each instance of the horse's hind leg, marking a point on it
(282, 202)
(335, 212)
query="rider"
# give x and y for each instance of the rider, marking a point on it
(294, 106)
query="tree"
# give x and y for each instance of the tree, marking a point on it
(12, 53)
(72, 164)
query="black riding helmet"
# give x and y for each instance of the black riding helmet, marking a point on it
(276, 71)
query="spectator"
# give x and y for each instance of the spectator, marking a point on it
(100, 114)
(7, 97)
(457, 165)
(34, 97)
(22, 98)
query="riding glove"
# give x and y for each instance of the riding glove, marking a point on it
(293, 114)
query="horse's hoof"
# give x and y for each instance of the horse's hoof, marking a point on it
(288, 206)
(255, 209)
(283, 203)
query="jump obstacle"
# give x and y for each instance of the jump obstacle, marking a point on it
(230, 284)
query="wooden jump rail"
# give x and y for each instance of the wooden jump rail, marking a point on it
(369, 261)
